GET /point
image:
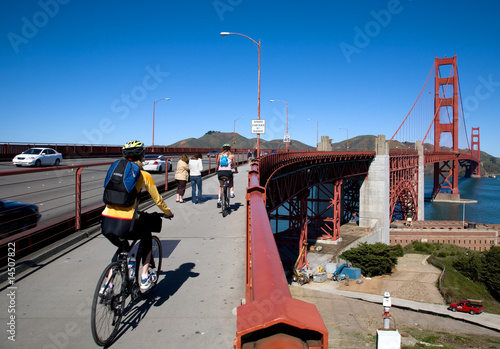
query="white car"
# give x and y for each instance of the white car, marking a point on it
(38, 157)
(157, 163)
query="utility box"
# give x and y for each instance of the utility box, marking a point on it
(388, 339)
(319, 277)
(353, 273)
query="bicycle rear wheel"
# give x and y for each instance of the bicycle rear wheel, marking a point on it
(225, 201)
(228, 198)
(154, 266)
(107, 305)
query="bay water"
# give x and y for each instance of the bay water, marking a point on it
(487, 209)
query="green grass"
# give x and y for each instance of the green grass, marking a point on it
(450, 341)
(454, 285)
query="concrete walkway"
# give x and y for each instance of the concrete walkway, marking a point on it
(193, 305)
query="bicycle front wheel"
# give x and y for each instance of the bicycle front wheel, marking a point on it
(107, 305)
(154, 266)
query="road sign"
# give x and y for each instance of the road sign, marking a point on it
(286, 138)
(258, 126)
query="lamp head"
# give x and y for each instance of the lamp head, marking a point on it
(224, 33)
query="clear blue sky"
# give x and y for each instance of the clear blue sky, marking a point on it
(90, 71)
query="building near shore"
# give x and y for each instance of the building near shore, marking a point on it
(474, 236)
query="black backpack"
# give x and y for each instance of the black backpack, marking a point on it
(119, 185)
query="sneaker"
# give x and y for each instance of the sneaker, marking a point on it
(218, 204)
(232, 195)
(146, 283)
(106, 290)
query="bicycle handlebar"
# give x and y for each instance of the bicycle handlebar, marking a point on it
(156, 214)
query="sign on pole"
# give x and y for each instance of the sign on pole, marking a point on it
(258, 126)
(286, 138)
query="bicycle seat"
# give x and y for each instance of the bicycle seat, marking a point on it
(224, 178)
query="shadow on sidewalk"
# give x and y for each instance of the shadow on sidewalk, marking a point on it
(168, 286)
(173, 281)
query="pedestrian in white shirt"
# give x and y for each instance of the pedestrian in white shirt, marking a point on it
(195, 168)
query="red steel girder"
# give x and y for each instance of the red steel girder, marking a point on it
(326, 220)
(335, 203)
(476, 151)
(290, 178)
(403, 192)
(269, 164)
(443, 177)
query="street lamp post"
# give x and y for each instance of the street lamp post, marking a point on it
(258, 94)
(317, 132)
(463, 216)
(277, 100)
(154, 106)
(347, 139)
(234, 133)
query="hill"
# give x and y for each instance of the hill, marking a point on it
(214, 139)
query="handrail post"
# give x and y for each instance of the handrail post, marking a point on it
(78, 199)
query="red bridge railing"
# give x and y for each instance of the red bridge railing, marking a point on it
(270, 317)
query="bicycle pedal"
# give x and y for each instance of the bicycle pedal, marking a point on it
(153, 276)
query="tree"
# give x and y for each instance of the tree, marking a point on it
(491, 275)
(373, 259)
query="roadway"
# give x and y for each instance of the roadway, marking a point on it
(193, 305)
(53, 191)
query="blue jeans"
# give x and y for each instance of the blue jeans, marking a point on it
(196, 182)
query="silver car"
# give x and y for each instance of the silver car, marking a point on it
(38, 157)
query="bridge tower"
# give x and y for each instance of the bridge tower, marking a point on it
(446, 175)
(476, 152)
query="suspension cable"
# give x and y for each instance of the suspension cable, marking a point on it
(463, 115)
(413, 103)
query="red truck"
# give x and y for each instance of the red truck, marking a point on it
(470, 306)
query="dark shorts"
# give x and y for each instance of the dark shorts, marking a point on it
(228, 174)
(119, 231)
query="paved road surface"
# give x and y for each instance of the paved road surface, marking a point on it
(54, 191)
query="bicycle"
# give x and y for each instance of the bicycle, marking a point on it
(224, 198)
(116, 284)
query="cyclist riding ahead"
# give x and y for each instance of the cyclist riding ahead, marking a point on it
(120, 222)
(224, 164)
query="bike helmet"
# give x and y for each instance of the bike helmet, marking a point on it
(226, 146)
(133, 150)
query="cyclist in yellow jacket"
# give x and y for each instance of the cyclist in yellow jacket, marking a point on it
(120, 223)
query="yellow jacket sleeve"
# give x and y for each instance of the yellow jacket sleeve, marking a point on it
(150, 186)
